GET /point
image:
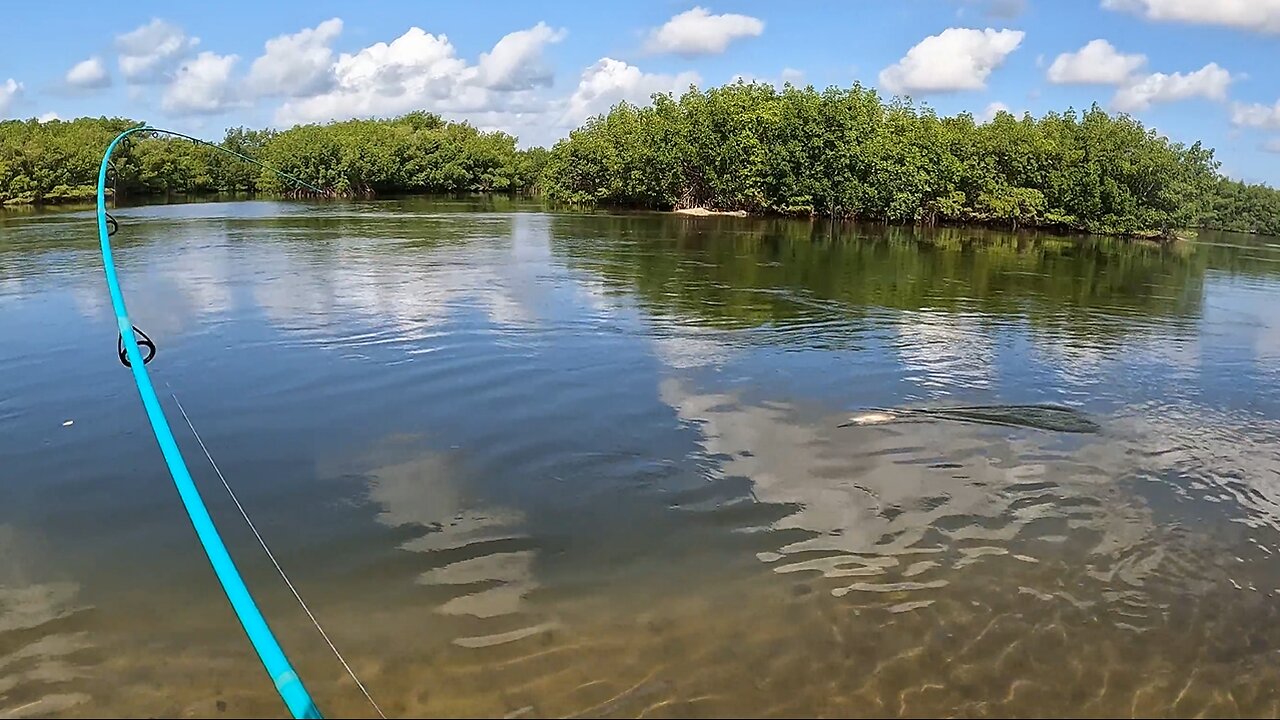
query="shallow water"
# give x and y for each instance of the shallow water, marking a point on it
(591, 465)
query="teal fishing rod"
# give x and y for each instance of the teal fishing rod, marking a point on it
(282, 674)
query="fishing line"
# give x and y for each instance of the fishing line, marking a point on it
(286, 680)
(244, 514)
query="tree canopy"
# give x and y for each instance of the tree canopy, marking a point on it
(841, 152)
(43, 162)
(844, 152)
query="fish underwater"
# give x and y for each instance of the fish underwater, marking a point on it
(1053, 418)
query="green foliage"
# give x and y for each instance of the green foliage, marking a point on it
(416, 153)
(847, 153)
(48, 162)
(842, 152)
(1244, 208)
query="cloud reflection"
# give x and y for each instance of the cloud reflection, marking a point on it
(479, 553)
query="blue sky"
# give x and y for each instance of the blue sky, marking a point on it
(1194, 69)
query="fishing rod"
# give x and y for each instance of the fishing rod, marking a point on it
(130, 344)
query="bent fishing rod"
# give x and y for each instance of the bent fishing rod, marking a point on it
(130, 349)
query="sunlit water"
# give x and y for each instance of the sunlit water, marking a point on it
(554, 465)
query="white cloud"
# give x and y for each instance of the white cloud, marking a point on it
(88, 74)
(609, 82)
(1210, 81)
(989, 112)
(515, 62)
(49, 117)
(202, 86)
(1097, 63)
(1258, 15)
(501, 90)
(793, 76)
(151, 52)
(421, 71)
(1272, 145)
(955, 59)
(10, 91)
(533, 125)
(417, 70)
(296, 65)
(1256, 115)
(698, 32)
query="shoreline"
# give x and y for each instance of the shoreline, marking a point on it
(1154, 236)
(706, 212)
(695, 212)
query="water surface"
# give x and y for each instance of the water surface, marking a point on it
(591, 465)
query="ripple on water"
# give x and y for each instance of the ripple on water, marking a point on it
(574, 466)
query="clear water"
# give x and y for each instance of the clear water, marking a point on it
(555, 465)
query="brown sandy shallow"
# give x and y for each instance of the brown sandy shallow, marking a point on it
(746, 646)
(1052, 593)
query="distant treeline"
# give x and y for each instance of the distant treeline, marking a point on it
(47, 162)
(745, 146)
